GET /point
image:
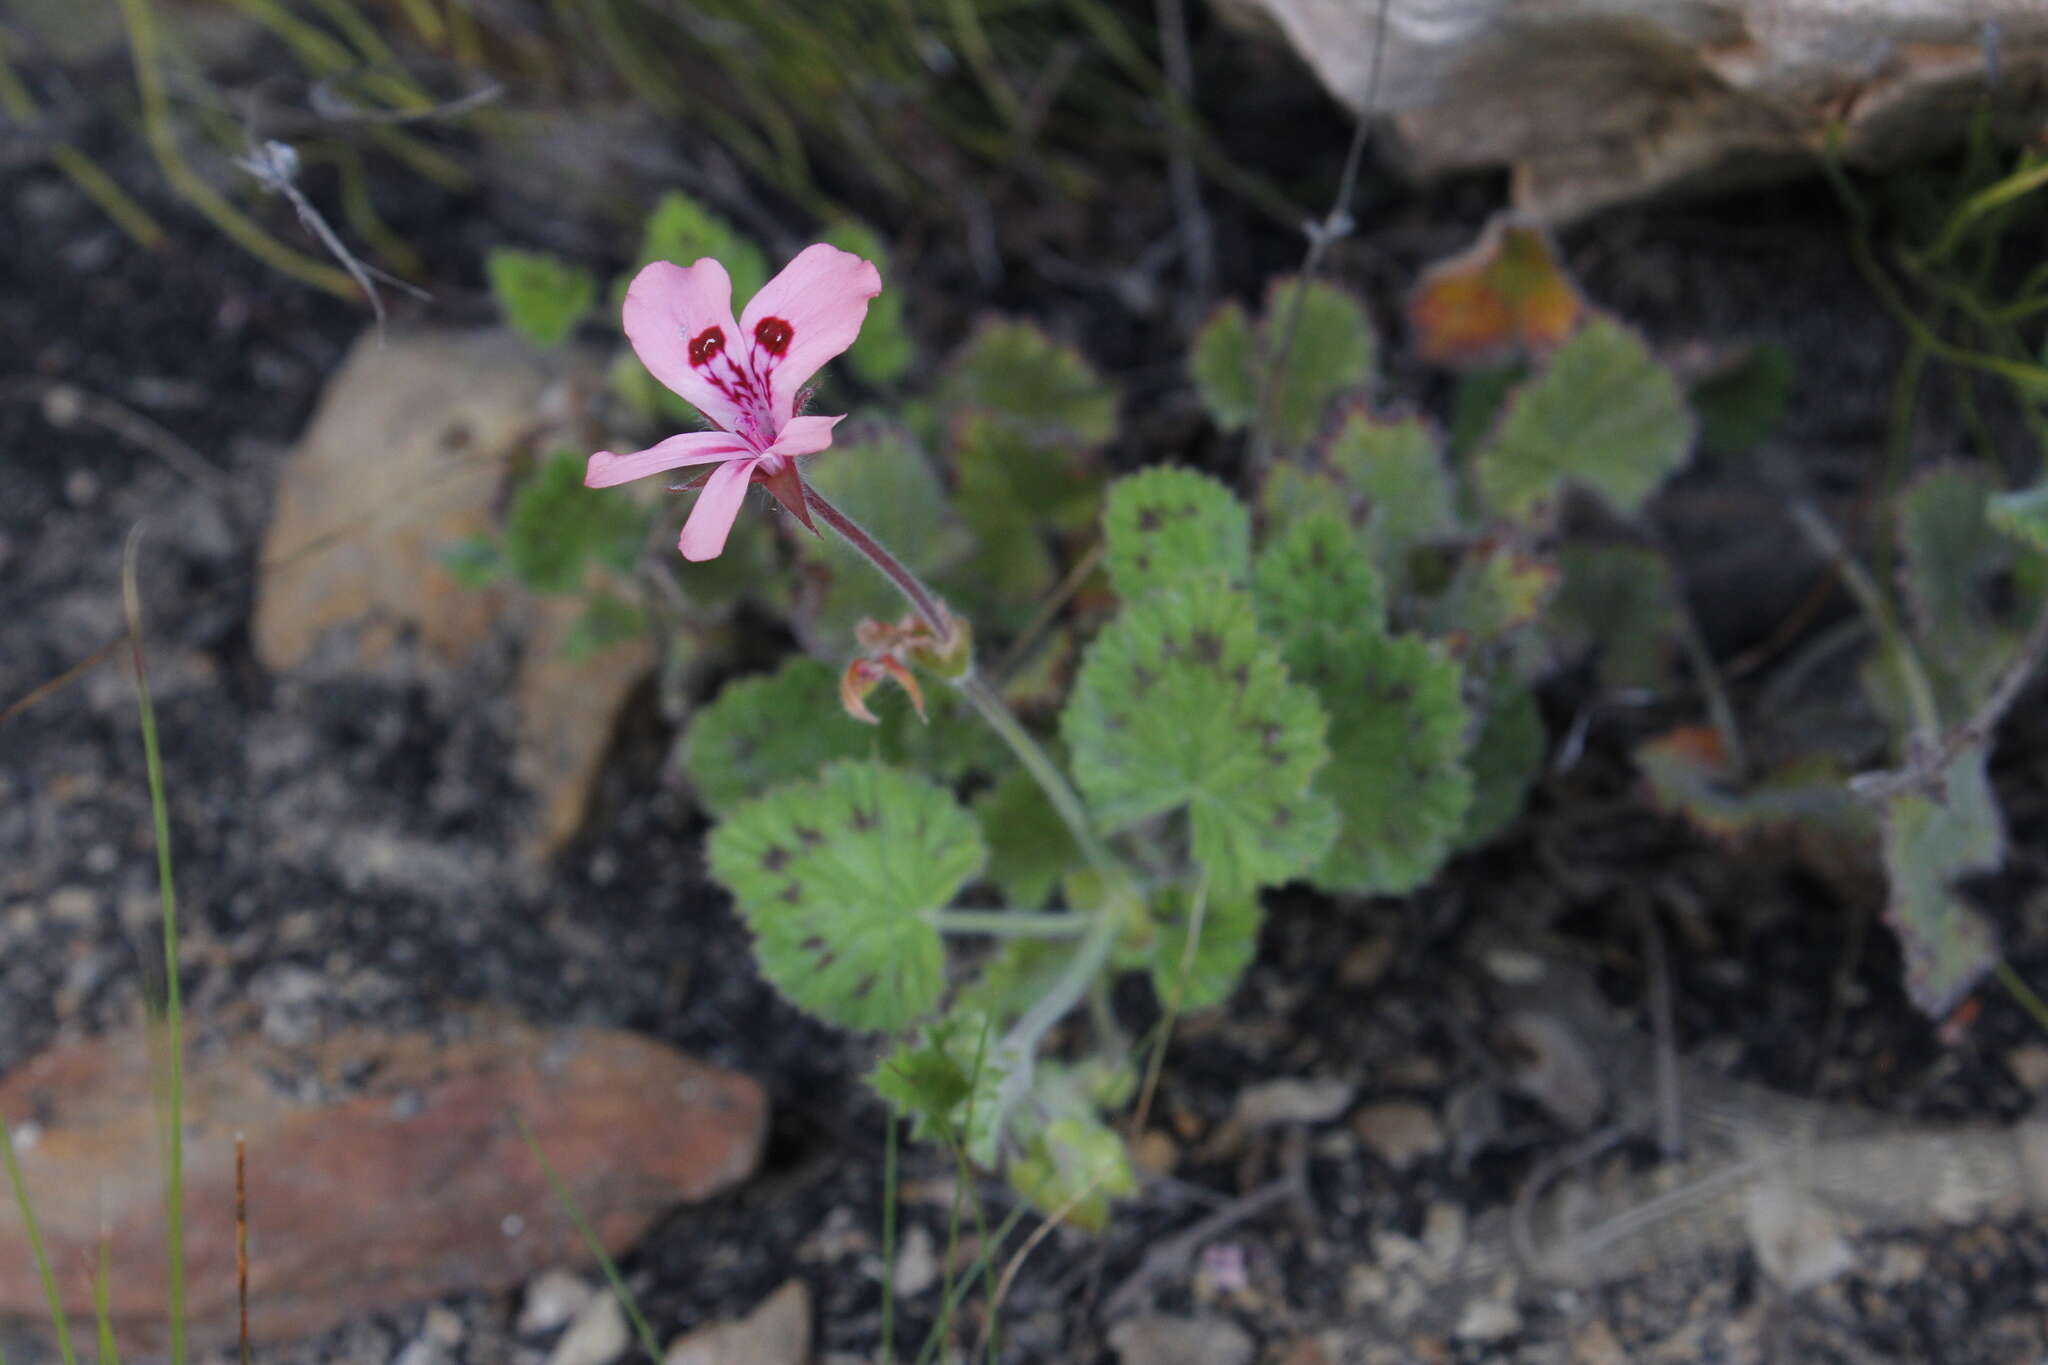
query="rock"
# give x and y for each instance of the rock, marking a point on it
(552, 1298)
(1488, 1320)
(1290, 1100)
(1798, 1243)
(407, 456)
(778, 1332)
(1401, 1132)
(917, 1263)
(2029, 1065)
(383, 1168)
(598, 1336)
(1163, 1339)
(1594, 103)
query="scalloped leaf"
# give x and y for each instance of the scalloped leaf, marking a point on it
(682, 230)
(882, 353)
(1072, 1168)
(1165, 527)
(836, 878)
(1967, 588)
(1397, 469)
(1928, 845)
(1686, 770)
(1224, 364)
(1504, 760)
(887, 486)
(1042, 389)
(1317, 571)
(1181, 704)
(1496, 590)
(1228, 942)
(945, 1081)
(1621, 601)
(1398, 728)
(541, 295)
(769, 728)
(555, 528)
(1603, 414)
(1331, 354)
(1029, 847)
(1503, 295)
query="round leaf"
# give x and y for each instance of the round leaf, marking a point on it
(1168, 526)
(1181, 704)
(836, 878)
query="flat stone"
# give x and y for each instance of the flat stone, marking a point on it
(777, 1332)
(1164, 1339)
(1290, 1100)
(598, 1336)
(407, 456)
(1400, 1132)
(383, 1168)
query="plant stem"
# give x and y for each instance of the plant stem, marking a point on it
(1009, 923)
(1065, 800)
(921, 598)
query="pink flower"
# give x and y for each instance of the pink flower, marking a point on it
(746, 377)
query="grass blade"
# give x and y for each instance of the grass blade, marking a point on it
(35, 1244)
(589, 1235)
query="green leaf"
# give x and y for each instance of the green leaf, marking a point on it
(1740, 404)
(474, 561)
(1224, 363)
(1928, 845)
(1498, 588)
(607, 620)
(682, 230)
(1318, 571)
(1002, 470)
(1397, 470)
(1687, 773)
(884, 483)
(1331, 354)
(1029, 846)
(1504, 760)
(1968, 589)
(1181, 705)
(2023, 515)
(1015, 977)
(883, 351)
(1167, 527)
(1398, 733)
(1228, 942)
(770, 728)
(836, 878)
(1038, 387)
(543, 297)
(1603, 414)
(556, 526)
(1073, 1167)
(945, 1079)
(1620, 601)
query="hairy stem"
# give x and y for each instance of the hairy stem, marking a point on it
(922, 599)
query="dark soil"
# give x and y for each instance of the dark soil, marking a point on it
(279, 784)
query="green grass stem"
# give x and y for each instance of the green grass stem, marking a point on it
(171, 1063)
(33, 1230)
(641, 1330)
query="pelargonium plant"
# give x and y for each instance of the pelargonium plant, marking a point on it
(1337, 695)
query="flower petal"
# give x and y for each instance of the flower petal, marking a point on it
(805, 435)
(692, 447)
(673, 312)
(820, 300)
(711, 519)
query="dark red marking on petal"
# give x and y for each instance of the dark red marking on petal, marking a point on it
(705, 345)
(773, 334)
